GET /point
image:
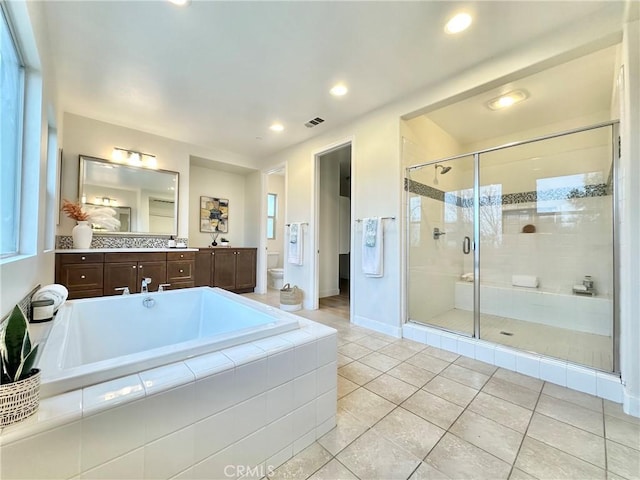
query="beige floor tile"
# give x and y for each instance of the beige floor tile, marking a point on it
(522, 396)
(359, 372)
(372, 343)
(465, 376)
(353, 334)
(391, 388)
(488, 435)
(427, 472)
(433, 408)
(519, 379)
(623, 461)
(303, 464)
(347, 429)
(380, 361)
(353, 350)
(622, 432)
(345, 386)
(399, 352)
(543, 461)
(343, 360)
(583, 399)
(409, 431)
(445, 355)
(372, 456)
(411, 345)
(411, 374)
(333, 470)
(571, 413)
(517, 474)
(427, 362)
(569, 439)
(501, 411)
(459, 459)
(366, 406)
(615, 410)
(476, 365)
(449, 390)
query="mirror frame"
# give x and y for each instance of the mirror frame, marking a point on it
(81, 173)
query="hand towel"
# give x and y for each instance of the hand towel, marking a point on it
(372, 247)
(56, 292)
(294, 249)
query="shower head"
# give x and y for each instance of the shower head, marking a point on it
(444, 169)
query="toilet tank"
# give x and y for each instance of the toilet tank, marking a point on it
(272, 259)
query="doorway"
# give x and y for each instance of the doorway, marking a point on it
(333, 206)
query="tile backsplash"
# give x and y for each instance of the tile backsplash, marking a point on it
(119, 241)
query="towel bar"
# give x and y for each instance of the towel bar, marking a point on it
(381, 218)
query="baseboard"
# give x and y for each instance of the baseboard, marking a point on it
(329, 293)
(630, 404)
(377, 326)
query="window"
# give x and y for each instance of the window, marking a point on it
(11, 119)
(272, 208)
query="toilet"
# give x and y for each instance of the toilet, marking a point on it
(275, 274)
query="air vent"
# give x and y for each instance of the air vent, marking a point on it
(313, 122)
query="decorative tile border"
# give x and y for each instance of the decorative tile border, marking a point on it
(119, 241)
(24, 304)
(564, 193)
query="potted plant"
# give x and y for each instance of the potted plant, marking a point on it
(19, 381)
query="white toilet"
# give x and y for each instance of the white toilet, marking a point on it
(276, 275)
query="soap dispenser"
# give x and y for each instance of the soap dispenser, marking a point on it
(172, 242)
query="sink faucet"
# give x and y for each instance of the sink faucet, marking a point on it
(145, 285)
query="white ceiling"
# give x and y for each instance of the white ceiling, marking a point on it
(217, 74)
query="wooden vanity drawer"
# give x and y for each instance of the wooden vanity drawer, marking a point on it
(122, 257)
(82, 277)
(66, 258)
(181, 256)
(180, 271)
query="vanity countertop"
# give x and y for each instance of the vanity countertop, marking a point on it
(121, 250)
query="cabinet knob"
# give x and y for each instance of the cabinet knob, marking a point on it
(83, 277)
(133, 266)
(140, 267)
(181, 271)
(83, 258)
(213, 253)
(181, 256)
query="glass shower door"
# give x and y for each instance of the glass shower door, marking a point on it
(440, 240)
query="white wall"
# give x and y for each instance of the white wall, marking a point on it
(86, 136)
(275, 184)
(35, 265)
(329, 198)
(218, 184)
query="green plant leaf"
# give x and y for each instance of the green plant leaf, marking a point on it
(27, 364)
(13, 341)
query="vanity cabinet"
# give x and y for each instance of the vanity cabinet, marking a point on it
(181, 269)
(233, 269)
(128, 270)
(82, 274)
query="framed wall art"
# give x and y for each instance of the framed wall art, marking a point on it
(214, 215)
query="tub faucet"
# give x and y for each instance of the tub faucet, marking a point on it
(124, 290)
(145, 285)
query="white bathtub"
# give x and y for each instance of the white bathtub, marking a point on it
(574, 312)
(99, 339)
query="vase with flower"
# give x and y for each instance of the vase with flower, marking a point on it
(82, 233)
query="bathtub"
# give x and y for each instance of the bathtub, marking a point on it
(99, 339)
(557, 309)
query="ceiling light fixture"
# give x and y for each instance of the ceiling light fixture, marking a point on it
(458, 23)
(507, 100)
(276, 127)
(138, 159)
(338, 90)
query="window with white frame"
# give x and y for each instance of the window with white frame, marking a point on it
(272, 209)
(11, 123)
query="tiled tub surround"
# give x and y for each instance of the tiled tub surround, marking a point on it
(210, 416)
(579, 313)
(99, 339)
(120, 241)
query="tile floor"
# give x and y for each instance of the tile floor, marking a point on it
(410, 411)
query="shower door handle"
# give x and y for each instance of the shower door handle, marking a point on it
(466, 245)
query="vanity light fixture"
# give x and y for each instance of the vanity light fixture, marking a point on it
(507, 100)
(181, 3)
(138, 159)
(276, 127)
(458, 23)
(338, 90)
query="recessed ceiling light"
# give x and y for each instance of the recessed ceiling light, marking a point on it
(458, 23)
(181, 3)
(277, 127)
(507, 100)
(339, 90)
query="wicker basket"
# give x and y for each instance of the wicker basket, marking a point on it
(19, 399)
(290, 298)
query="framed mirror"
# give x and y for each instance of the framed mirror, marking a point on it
(145, 199)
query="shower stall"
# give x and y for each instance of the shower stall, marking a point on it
(515, 245)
